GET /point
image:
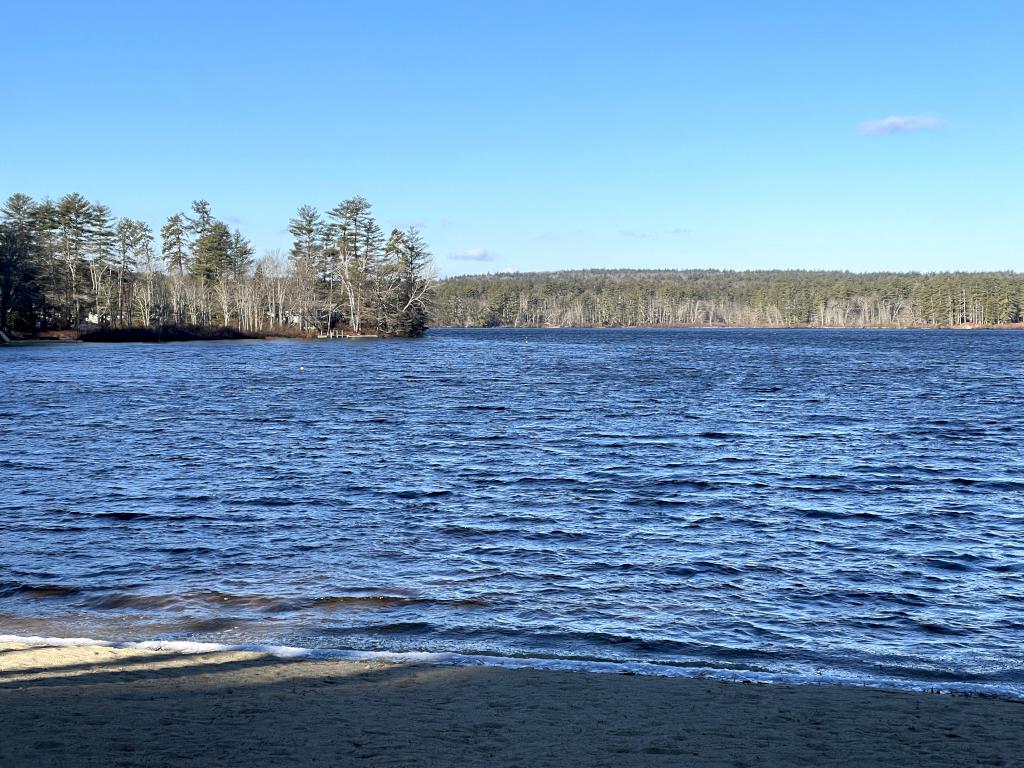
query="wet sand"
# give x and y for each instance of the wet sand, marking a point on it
(96, 706)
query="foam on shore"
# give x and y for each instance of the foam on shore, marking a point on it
(555, 664)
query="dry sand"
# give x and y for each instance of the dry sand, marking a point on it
(95, 706)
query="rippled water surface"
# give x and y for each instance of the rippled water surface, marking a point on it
(846, 504)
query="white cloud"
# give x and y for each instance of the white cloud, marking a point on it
(473, 254)
(899, 124)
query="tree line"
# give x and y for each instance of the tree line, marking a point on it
(667, 298)
(71, 263)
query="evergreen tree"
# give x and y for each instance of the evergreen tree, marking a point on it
(306, 229)
(408, 260)
(212, 252)
(134, 241)
(20, 269)
(72, 217)
(240, 256)
(102, 262)
(20, 212)
(359, 246)
(174, 236)
(314, 260)
(202, 219)
(60, 258)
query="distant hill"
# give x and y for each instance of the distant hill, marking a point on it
(680, 298)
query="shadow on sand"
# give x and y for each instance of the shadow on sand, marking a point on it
(170, 709)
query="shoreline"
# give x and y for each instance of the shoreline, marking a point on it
(69, 705)
(68, 339)
(690, 670)
(698, 327)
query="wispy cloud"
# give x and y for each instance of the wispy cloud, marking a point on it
(404, 224)
(643, 234)
(554, 234)
(473, 254)
(899, 124)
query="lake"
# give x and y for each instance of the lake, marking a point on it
(762, 504)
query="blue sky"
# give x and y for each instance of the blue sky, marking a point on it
(540, 135)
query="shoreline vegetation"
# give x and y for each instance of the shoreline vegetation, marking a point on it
(71, 265)
(636, 298)
(173, 333)
(166, 333)
(723, 326)
(231, 708)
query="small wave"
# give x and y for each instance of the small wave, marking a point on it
(123, 515)
(196, 550)
(379, 601)
(213, 600)
(394, 628)
(119, 601)
(685, 482)
(826, 514)
(1002, 485)
(939, 629)
(946, 565)
(40, 591)
(423, 494)
(265, 501)
(701, 568)
(130, 516)
(468, 531)
(216, 624)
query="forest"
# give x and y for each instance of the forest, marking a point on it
(71, 264)
(683, 298)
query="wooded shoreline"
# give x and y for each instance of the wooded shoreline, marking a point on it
(71, 265)
(710, 298)
(145, 335)
(748, 327)
(137, 335)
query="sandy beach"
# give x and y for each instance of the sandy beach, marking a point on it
(99, 706)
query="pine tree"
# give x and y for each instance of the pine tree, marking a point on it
(359, 246)
(134, 241)
(405, 278)
(202, 220)
(71, 224)
(306, 228)
(211, 256)
(20, 268)
(314, 260)
(240, 256)
(102, 262)
(174, 248)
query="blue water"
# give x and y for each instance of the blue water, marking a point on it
(843, 505)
